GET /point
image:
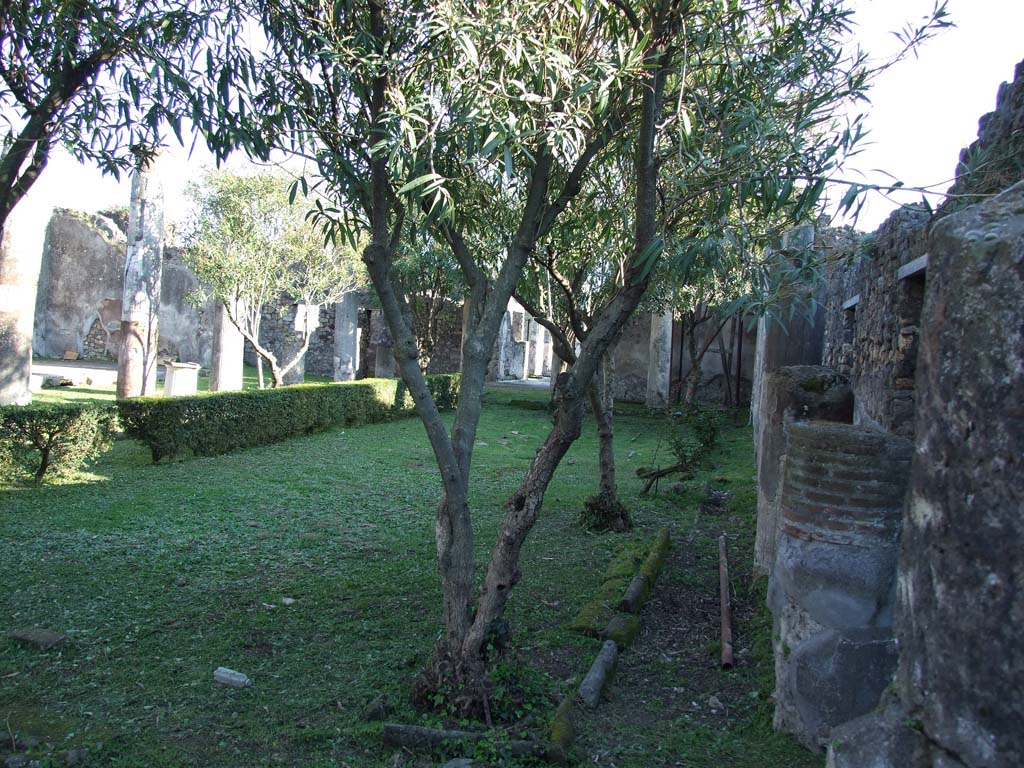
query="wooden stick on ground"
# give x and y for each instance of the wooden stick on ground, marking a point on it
(723, 595)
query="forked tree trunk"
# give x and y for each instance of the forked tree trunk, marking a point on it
(523, 507)
(459, 663)
(605, 511)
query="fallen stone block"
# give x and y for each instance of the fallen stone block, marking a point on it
(600, 671)
(43, 639)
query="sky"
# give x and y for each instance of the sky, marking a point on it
(922, 112)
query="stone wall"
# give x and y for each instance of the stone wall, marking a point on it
(446, 356)
(631, 360)
(78, 301)
(873, 312)
(960, 598)
(996, 159)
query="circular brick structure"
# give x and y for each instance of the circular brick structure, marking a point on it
(844, 484)
(832, 586)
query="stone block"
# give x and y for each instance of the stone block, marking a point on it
(832, 678)
(43, 639)
(840, 587)
(880, 739)
(961, 590)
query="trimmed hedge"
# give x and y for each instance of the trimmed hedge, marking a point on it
(220, 422)
(55, 439)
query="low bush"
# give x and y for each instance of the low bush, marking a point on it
(220, 422)
(55, 439)
(696, 434)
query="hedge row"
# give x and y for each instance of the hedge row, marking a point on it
(219, 422)
(55, 439)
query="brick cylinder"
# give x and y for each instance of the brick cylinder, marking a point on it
(832, 584)
(844, 485)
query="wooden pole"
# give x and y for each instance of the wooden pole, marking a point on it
(723, 594)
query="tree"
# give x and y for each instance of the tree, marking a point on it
(489, 119)
(102, 77)
(581, 266)
(431, 281)
(250, 247)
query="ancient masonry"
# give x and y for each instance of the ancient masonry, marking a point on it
(889, 446)
(79, 306)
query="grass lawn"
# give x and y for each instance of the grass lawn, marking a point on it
(160, 574)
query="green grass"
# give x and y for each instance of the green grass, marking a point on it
(160, 574)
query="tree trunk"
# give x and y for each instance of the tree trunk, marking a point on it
(605, 511)
(725, 354)
(523, 507)
(603, 402)
(693, 376)
(137, 359)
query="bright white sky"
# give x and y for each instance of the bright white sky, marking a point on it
(923, 112)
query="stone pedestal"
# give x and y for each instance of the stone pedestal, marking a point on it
(226, 364)
(180, 379)
(832, 585)
(794, 393)
(346, 338)
(659, 361)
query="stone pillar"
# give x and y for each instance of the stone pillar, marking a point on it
(530, 346)
(140, 302)
(794, 393)
(542, 343)
(306, 320)
(226, 364)
(659, 361)
(831, 590)
(799, 340)
(346, 338)
(19, 272)
(960, 599)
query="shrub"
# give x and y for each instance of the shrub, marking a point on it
(220, 422)
(58, 439)
(696, 435)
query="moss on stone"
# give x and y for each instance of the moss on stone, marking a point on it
(657, 556)
(562, 732)
(623, 629)
(814, 384)
(593, 616)
(625, 564)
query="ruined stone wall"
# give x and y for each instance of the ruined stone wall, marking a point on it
(278, 334)
(996, 159)
(873, 320)
(78, 302)
(446, 355)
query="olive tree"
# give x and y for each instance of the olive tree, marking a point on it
(489, 119)
(103, 78)
(251, 248)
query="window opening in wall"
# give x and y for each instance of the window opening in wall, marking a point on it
(909, 309)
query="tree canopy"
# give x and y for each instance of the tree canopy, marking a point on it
(106, 78)
(493, 125)
(251, 248)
